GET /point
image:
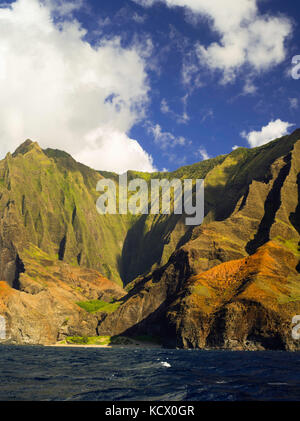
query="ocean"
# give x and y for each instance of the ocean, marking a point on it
(126, 374)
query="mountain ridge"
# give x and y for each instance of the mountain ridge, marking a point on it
(47, 208)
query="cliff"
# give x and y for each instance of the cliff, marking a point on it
(232, 282)
(235, 283)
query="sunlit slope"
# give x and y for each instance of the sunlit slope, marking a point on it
(48, 199)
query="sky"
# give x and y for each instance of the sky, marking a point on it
(147, 84)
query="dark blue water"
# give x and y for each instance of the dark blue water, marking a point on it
(38, 373)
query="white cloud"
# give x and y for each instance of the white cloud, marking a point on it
(116, 148)
(190, 73)
(208, 114)
(203, 154)
(138, 18)
(165, 139)
(235, 147)
(164, 107)
(184, 118)
(249, 88)
(294, 103)
(145, 3)
(180, 118)
(62, 7)
(103, 22)
(273, 130)
(246, 36)
(60, 91)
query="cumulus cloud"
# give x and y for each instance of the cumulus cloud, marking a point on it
(59, 90)
(273, 130)
(246, 37)
(115, 147)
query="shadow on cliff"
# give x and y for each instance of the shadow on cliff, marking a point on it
(272, 204)
(141, 251)
(295, 218)
(155, 325)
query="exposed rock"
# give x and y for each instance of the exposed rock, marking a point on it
(43, 309)
(242, 304)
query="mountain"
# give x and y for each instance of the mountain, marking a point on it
(233, 282)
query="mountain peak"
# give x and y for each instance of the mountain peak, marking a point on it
(27, 146)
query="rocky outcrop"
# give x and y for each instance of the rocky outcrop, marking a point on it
(42, 307)
(244, 304)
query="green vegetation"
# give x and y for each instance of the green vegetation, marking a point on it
(293, 245)
(94, 306)
(110, 340)
(85, 340)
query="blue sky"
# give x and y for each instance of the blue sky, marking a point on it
(199, 82)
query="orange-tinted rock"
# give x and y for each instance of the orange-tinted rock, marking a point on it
(43, 309)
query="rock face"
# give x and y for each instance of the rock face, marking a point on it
(42, 307)
(235, 284)
(243, 304)
(231, 283)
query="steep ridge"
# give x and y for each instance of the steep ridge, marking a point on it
(48, 199)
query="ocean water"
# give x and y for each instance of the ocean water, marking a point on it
(123, 374)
